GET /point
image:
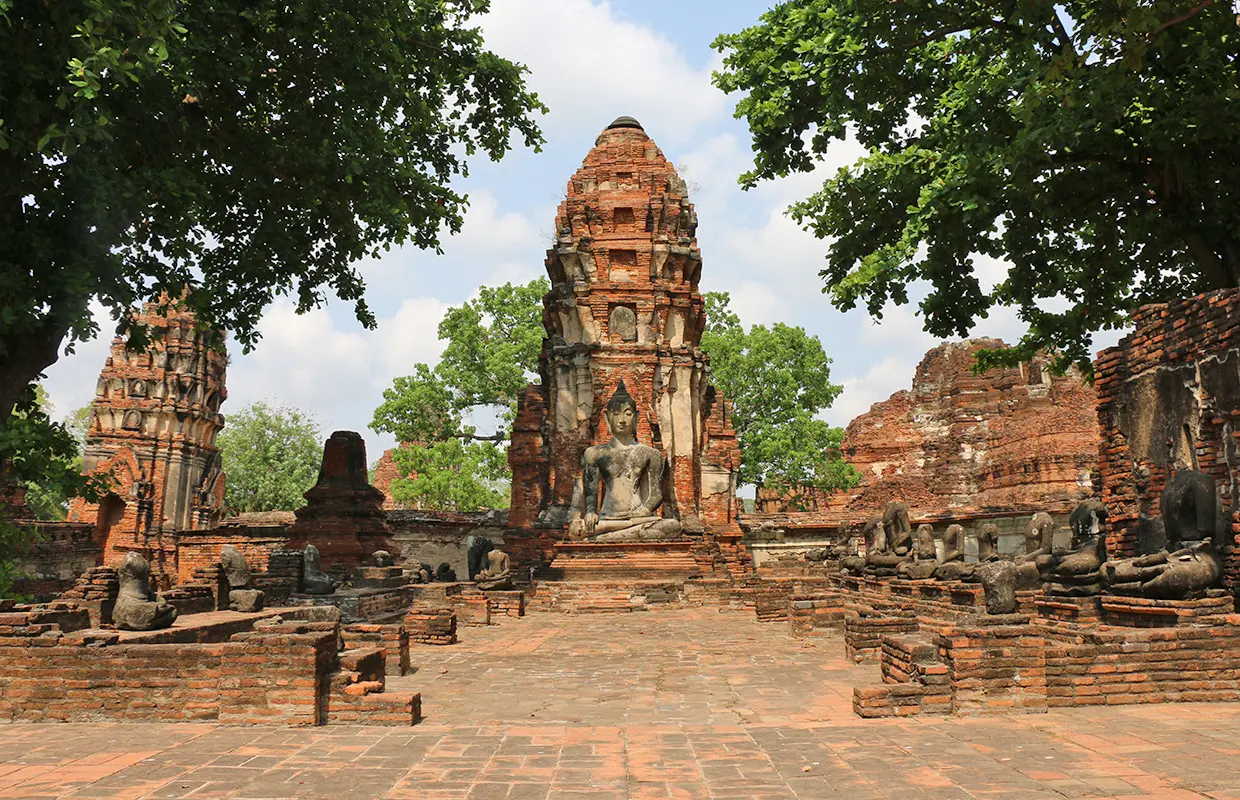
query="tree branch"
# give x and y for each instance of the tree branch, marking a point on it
(1192, 12)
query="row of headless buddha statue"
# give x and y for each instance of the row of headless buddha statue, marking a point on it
(893, 550)
(1186, 567)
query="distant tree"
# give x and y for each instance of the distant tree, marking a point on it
(54, 483)
(270, 456)
(244, 149)
(493, 343)
(778, 379)
(1091, 144)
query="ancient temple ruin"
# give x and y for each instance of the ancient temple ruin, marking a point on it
(153, 424)
(624, 306)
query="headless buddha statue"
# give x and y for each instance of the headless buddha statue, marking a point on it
(497, 574)
(1038, 542)
(1078, 572)
(926, 562)
(953, 567)
(898, 541)
(632, 481)
(875, 542)
(137, 607)
(1190, 563)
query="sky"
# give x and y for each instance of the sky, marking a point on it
(590, 62)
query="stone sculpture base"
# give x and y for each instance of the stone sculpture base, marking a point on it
(1142, 612)
(1054, 608)
(605, 561)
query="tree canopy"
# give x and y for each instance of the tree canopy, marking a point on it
(1089, 144)
(270, 456)
(778, 379)
(491, 355)
(241, 149)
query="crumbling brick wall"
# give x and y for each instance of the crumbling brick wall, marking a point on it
(1169, 398)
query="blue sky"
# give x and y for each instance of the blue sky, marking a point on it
(590, 62)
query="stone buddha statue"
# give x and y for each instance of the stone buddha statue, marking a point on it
(632, 482)
(1038, 542)
(897, 541)
(497, 574)
(314, 580)
(875, 542)
(137, 607)
(926, 562)
(1190, 563)
(953, 567)
(1078, 572)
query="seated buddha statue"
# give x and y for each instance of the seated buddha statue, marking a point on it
(1078, 571)
(953, 567)
(1190, 562)
(875, 542)
(926, 560)
(898, 541)
(137, 608)
(497, 574)
(1038, 542)
(631, 476)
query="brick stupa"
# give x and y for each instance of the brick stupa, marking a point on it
(624, 305)
(343, 516)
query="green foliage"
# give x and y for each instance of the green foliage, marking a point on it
(270, 456)
(46, 459)
(452, 475)
(243, 149)
(493, 343)
(778, 378)
(1090, 144)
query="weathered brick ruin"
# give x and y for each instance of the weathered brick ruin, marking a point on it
(624, 305)
(1169, 399)
(153, 425)
(343, 515)
(1009, 440)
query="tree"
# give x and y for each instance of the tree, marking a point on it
(270, 457)
(242, 150)
(493, 344)
(1090, 144)
(778, 379)
(51, 484)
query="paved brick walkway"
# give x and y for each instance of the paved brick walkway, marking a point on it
(668, 704)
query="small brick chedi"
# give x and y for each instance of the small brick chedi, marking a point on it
(624, 307)
(153, 425)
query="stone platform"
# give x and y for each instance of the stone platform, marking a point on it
(360, 605)
(607, 561)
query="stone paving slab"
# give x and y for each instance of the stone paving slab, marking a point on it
(675, 704)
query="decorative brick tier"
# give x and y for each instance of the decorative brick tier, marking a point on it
(1141, 612)
(609, 561)
(1075, 610)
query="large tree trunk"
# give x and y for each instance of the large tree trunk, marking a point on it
(22, 361)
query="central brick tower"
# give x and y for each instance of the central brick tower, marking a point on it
(624, 305)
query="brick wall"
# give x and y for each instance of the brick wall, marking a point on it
(1168, 398)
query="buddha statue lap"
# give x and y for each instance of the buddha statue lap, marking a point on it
(137, 607)
(1190, 563)
(631, 478)
(926, 560)
(1078, 571)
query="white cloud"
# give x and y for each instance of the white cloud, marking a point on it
(878, 383)
(589, 66)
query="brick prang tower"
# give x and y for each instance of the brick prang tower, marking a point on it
(153, 425)
(624, 305)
